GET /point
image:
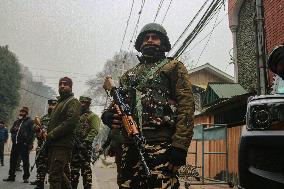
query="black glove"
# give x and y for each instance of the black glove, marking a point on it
(177, 156)
(107, 118)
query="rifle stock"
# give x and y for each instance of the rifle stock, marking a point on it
(128, 121)
(41, 133)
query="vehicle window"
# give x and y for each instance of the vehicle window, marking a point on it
(280, 86)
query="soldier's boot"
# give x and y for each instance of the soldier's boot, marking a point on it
(40, 185)
(9, 179)
(87, 186)
(34, 182)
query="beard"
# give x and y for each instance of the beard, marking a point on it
(49, 110)
(63, 93)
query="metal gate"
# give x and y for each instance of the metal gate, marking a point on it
(194, 174)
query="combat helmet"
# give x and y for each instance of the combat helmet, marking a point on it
(156, 28)
(85, 99)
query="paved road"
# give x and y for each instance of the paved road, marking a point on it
(104, 177)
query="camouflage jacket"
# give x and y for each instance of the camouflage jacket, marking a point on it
(166, 100)
(89, 126)
(44, 123)
(63, 121)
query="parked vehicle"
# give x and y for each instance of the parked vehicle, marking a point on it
(261, 149)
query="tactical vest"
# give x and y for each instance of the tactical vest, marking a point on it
(148, 87)
(84, 128)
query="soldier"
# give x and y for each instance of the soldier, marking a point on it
(3, 140)
(276, 61)
(82, 152)
(60, 134)
(41, 161)
(159, 93)
(22, 141)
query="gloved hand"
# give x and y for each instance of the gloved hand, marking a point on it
(107, 118)
(177, 156)
(112, 120)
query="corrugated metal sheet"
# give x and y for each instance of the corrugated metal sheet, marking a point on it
(227, 90)
(221, 91)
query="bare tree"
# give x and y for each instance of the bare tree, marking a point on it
(115, 68)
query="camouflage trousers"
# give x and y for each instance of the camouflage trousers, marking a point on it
(81, 161)
(131, 172)
(41, 165)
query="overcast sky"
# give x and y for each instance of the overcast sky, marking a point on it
(78, 36)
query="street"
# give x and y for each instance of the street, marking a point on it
(104, 177)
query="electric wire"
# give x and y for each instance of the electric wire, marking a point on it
(190, 23)
(205, 46)
(229, 10)
(59, 71)
(34, 93)
(186, 54)
(207, 16)
(137, 23)
(158, 9)
(166, 12)
(205, 37)
(127, 23)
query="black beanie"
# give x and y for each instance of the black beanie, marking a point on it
(67, 80)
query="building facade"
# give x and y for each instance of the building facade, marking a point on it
(242, 25)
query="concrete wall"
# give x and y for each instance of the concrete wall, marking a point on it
(242, 28)
(246, 47)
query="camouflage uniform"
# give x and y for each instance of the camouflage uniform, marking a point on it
(82, 152)
(161, 98)
(60, 139)
(41, 162)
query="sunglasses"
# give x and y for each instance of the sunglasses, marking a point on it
(152, 36)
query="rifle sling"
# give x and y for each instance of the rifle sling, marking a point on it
(142, 82)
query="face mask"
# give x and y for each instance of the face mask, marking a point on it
(151, 50)
(85, 107)
(49, 110)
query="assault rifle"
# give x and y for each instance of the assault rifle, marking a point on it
(80, 149)
(106, 144)
(128, 122)
(41, 133)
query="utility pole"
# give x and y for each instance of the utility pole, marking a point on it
(260, 48)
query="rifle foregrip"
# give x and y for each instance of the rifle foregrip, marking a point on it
(130, 125)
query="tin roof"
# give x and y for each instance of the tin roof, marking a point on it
(218, 91)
